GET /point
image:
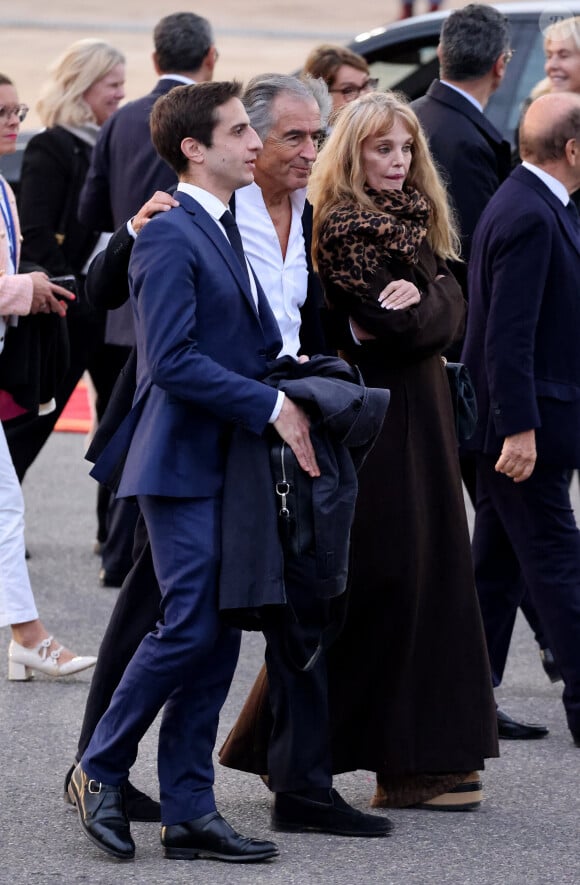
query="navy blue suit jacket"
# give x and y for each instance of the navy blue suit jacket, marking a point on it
(521, 344)
(125, 169)
(125, 172)
(202, 345)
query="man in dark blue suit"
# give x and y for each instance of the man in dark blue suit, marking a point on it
(521, 348)
(125, 170)
(473, 156)
(204, 335)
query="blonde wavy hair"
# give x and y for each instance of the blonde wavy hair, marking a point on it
(70, 76)
(565, 29)
(338, 174)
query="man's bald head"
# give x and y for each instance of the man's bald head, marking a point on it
(548, 125)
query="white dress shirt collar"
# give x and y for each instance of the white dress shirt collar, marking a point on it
(212, 204)
(555, 186)
(466, 95)
(187, 81)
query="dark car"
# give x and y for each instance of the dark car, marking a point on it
(403, 56)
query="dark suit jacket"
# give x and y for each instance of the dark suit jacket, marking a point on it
(125, 172)
(346, 419)
(107, 287)
(201, 346)
(521, 345)
(107, 282)
(54, 168)
(470, 152)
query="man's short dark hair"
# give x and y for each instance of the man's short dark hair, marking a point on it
(188, 112)
(541, 147)
(182, 41)
(472, 39)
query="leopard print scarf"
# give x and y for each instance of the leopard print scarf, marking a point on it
(354, 242)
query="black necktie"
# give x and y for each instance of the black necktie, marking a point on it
(233, 235)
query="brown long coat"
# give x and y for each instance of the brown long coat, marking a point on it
(410, 688)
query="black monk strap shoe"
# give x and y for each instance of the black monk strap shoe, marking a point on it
(212, 837)
(294, 813)
(139, 806)
(509, 729)
(102, 814)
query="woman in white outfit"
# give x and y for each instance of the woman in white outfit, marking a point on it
(31, 647)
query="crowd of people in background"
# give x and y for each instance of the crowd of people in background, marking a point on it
(278, 274)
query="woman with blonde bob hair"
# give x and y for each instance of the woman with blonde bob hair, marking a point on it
(84, 87)
(66, 97)
(410, 687)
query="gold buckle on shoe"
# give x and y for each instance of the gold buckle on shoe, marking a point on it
(91, 789)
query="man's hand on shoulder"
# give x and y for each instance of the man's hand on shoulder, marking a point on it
(293, 426)
(159, 202)
(518, 456)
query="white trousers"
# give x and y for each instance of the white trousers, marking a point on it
(16, 599)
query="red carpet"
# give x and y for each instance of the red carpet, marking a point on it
(76, 417)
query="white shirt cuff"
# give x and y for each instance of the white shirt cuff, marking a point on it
(277, 408)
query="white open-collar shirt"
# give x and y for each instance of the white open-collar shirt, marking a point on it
(283, 279)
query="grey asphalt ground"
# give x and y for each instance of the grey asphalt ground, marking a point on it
(526, 832)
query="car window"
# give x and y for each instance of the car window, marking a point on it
(531, 74)
(406, 66)
(523, 73)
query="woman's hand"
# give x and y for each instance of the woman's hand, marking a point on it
(159, 202)
(43, 295)
(399, 295)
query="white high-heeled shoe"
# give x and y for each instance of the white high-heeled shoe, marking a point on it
(22, 661)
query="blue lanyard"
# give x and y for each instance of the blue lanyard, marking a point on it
(9, 222)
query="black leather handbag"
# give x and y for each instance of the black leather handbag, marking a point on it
(463, 400)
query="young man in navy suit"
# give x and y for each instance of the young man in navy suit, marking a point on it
(521, 348)
(204, 335)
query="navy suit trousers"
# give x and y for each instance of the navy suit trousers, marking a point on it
(531, 526)
(185, 665)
